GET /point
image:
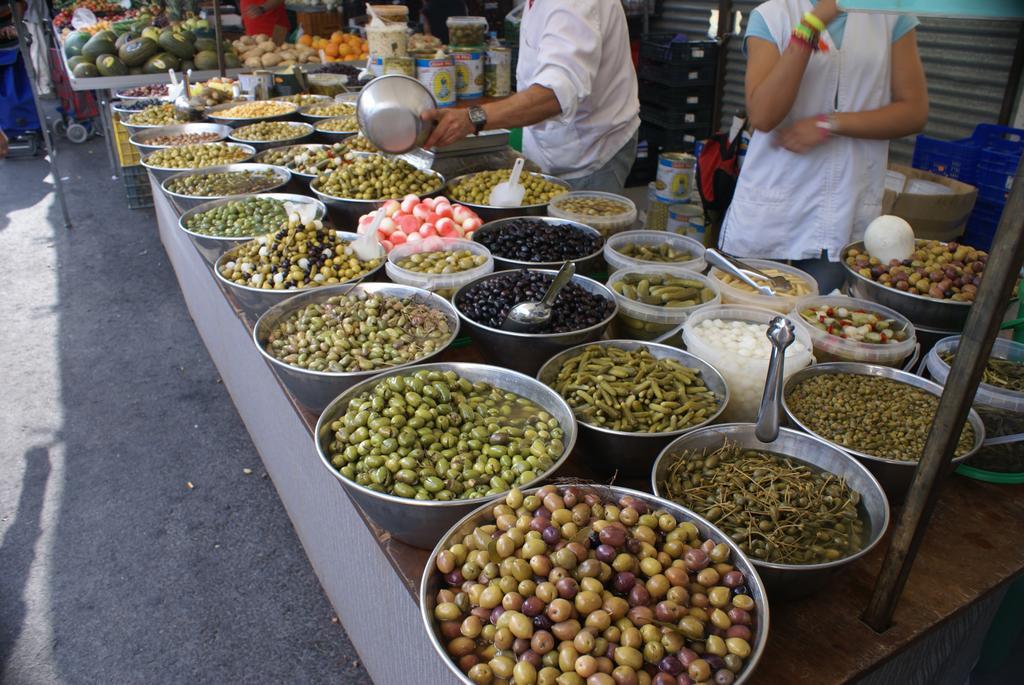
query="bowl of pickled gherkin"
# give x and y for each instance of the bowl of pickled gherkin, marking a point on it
(300, 255)
(325, 340)
(669, 251)
(593, 584)
(653, 302)
(188, 189)
(216, 226)
(440, 265)
(541, 242)
(800, 508)
(366, 183)
(474, 191)
(633, 398)
(878, 414)
(163, 164)
(418, 448)
(264, 135)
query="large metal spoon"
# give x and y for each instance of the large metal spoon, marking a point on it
(527, 317)
(781, 333)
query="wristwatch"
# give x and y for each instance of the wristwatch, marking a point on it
(478, 117)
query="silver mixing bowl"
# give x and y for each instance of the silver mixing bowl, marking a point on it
(790, 580)
(316, 389)
(431, 582)
(212, 247)
(590, 263)
(389, 109)
(255, 301)
(141, 139)
(163, 173)
(421, 522)
(346, 211)
(633, 453)
(183, 203)
(302, 132)
(489, 213)
(527, 352)
(895, 475)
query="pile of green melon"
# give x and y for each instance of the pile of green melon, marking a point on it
(151, 51)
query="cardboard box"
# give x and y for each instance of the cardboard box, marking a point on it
(933, 217)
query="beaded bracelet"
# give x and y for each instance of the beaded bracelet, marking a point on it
(814, 22)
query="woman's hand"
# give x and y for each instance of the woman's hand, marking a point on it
(801, 137)
(451, 125)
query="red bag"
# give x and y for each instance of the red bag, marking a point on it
(718, 167)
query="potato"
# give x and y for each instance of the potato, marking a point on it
(253, 61)
(270, 60)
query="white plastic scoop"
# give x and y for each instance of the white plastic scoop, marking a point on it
(366, 246)
(511, 192)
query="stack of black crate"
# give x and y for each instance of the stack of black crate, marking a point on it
(677, 97)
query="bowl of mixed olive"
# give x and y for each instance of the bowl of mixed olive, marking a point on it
(452, 436)
(154, 116)
(216, 226)
(878, 414)
(325, 340)
(188, 189)
(300, 255)
(368, 182)
(306, 161)
(264, 135)
(474, 191)
(152, 139)
(805, 508)
(633, 398)
(592, 584)
(163, 164)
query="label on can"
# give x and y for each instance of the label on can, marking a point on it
(400, 65)
(675, 176)
(498, 72)
(438, 75)
(469, 74)
(687, 219)
(375, 65)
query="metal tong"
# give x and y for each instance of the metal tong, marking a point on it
(747, 273)
(781, 333)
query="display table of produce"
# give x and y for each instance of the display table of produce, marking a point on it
(974, 548)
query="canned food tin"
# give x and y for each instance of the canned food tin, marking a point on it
(657, 210)
(675, 176)
(498, 72)
(438, 75)
(400, 65)
(687, 219)
(375, 65)
(469, 74)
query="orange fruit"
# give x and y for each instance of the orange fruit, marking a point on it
(337, 37)
(331, 50)
(306, 40)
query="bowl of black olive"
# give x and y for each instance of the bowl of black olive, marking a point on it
(580, 314)
(542, 243)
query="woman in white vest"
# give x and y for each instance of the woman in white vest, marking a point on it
(826, 91)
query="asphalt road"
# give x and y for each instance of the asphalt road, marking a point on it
(134, 545)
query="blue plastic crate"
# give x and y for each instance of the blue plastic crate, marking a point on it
(982, 224)
(997, 148)
(954, 158)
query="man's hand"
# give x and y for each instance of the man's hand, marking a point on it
(253, 11)
(802, 136)
(451, 125)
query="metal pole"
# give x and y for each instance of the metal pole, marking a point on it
(51, 151)
(219, 37)
(982, 325)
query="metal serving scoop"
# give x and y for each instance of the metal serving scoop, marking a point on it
(747, 273)
(527, 317)
(781, 333)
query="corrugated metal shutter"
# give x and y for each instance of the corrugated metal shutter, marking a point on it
(690, 18)
(966, 62)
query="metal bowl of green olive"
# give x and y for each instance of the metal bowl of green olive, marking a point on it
(696, 471)
(394, 179)
(192, 188)
(713, 558)
(254, 301)
(502, 417)
(163, 164)
(216, 226)
(152, 139)
(474, 190)
(615, 428)
(878, 414)
(264, 135)
(364, 341)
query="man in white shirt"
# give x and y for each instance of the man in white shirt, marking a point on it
(577, 98)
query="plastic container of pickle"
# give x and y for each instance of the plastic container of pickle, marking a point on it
(833, 348)
(616, 260)
(444, 285)
(640, 321)
(740, 293)
(607, 224)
